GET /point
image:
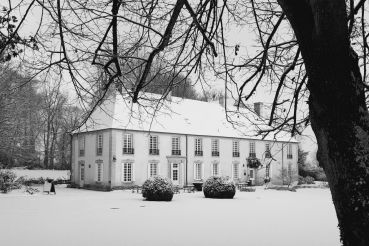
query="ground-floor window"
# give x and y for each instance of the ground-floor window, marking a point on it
(127, 174)
(215, 169)
(251, 174)
(99, 172)
(236, 170)
(82, 174)
(153, 169)
(198, 171)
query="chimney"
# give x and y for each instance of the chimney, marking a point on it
(258, 108)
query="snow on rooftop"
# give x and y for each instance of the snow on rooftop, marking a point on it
(180, 116)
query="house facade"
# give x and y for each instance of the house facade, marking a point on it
(113, 153)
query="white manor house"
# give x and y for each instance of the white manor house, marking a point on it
(122, 144)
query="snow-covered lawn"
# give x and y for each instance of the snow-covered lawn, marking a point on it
(35, 174)
(92, 218)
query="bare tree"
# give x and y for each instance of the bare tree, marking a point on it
(307, 50)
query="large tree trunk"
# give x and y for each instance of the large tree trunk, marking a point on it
(338, 113)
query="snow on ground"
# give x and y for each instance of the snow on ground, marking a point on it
(35, 174)
(81, 217)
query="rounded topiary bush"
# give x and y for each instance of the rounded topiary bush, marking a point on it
(158, 189)
(219, 187)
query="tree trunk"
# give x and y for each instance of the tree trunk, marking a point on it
(338, 113)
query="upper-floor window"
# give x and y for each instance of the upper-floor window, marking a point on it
(215, 147)
(198, 147)
(236, 148)
(99, 144)
(154, 145)
(289, 151)
(128, 143)
(267, 151)
(176, 148)
(81, 145)
(252, 149)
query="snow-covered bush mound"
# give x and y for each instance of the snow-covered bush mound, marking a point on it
(219, 187)
(7, 181)
(158, 189)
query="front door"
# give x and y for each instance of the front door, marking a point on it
(175, 173)
(81, 175)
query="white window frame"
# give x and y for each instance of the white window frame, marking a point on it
(270, 171)
(289, 151)
(154, 142)
(124, 176)
(198, 144)
(236, 147)
(82, 172)
(214, 145)
(127, 140)
(149, 169)
(81, 145)
(176, 143)
(267, 149)
(99, 175)
(99, 143)
(217, 173)
(198, 171)
(252, 148)
(253, 174)
(236, 177)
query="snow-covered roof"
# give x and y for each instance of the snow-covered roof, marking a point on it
(179, 116)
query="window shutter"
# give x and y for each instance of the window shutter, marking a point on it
(180, 173)
(122, 173)
(194, 171)
(202, 170)
(97, 143)
(96, 167)
(170, 170)
(133, 172)
(148, 170)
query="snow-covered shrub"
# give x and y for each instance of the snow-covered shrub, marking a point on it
(219, 187)
(158, 189)
(7, 181)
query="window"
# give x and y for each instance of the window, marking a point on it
(236, 171)
(289, 151)
(81, 145)
(128, 144)
(198, 147)
(82, 174)
(215, 169)
(176, 150)
(236, 148)
(153, 169)
(268, 170)
(215, 147)
(99, 144)
(251, 174)
(252, 149)
(198, 171)
(127, 172)
(99, 172)
(267, 151)
(154, 145)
